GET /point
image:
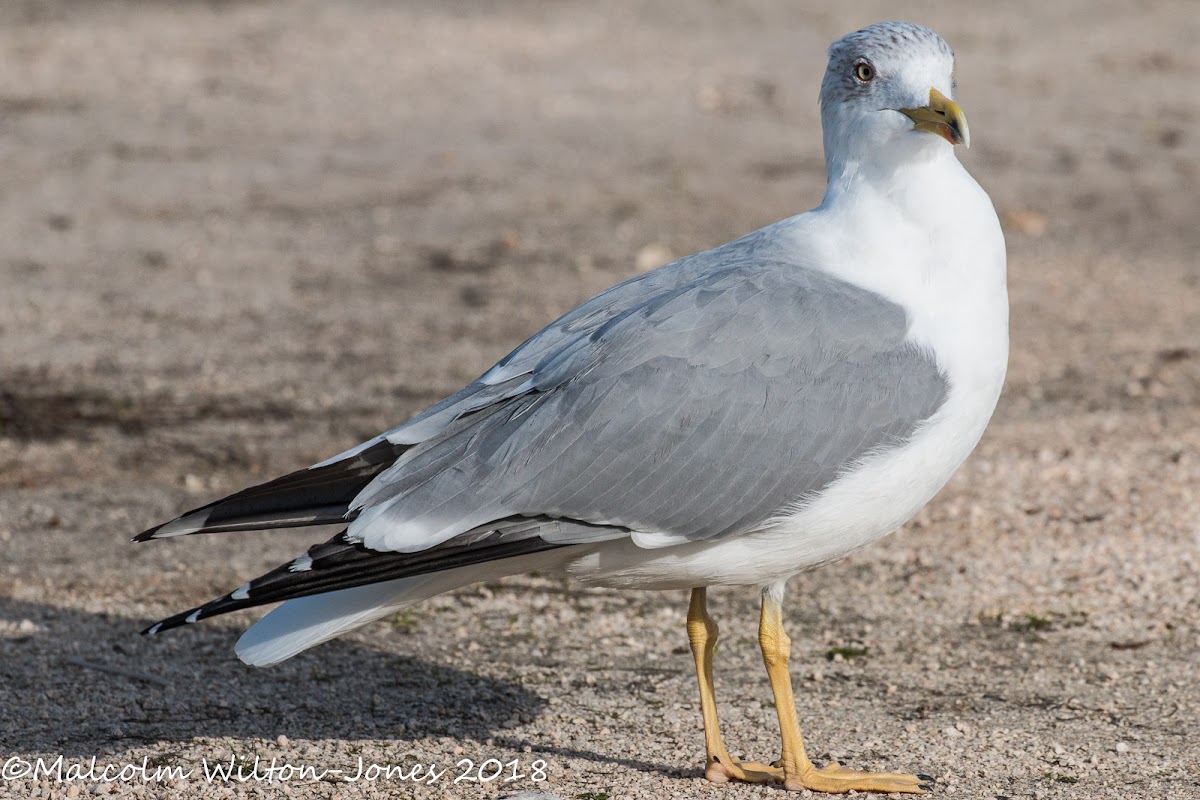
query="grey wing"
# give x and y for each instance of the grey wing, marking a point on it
(696, 412)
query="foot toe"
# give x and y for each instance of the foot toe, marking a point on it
(839, 779)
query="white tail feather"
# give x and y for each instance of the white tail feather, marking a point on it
(305, 622)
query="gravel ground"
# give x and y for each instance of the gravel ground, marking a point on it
(235, 237)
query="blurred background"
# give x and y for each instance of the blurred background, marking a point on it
(239, 236)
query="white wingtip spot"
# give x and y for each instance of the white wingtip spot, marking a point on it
(192, 617)
(301, 564)
(155, 628)
(241, 593)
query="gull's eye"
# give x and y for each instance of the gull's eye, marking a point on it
(864, 72)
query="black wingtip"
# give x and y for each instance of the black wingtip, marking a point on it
(153, 533)
(194, 521)
(176, 621)
(309, 496)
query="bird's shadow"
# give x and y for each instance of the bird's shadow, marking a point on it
(111, 691)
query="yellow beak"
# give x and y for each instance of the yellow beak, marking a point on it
(943, 117)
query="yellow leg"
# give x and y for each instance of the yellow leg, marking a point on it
(798, 772)
(720, 766)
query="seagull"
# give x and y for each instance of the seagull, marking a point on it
(735, 417)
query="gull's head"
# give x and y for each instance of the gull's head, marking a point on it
(888, 89)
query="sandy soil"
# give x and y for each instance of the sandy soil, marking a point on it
(235, 237)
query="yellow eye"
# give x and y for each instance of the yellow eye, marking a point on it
(864, 71)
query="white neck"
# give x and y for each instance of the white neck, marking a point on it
(869, 161)
(910, 193)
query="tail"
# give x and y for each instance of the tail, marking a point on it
(342, 564)
(308, 621)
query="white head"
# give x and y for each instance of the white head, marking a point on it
(887, 87)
